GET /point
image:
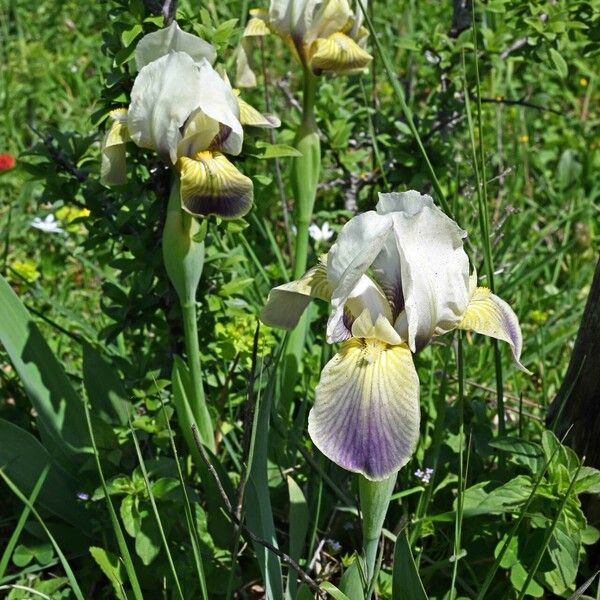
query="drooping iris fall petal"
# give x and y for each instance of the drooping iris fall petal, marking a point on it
(488, 314)
(366, 412)
(211, 185)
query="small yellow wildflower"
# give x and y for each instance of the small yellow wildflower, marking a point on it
(524, 138)
(583, 82)
(26, 269)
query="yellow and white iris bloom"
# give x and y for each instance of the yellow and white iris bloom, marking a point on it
(395, 278)
(185, 111)
(327, 36)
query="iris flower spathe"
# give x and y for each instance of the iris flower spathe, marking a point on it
(395, 278)
(327, 36)
(182, 108)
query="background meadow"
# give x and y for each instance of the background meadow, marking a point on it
(487, 507)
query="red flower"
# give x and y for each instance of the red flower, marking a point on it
(7, 161)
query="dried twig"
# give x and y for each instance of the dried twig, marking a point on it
(312, 584)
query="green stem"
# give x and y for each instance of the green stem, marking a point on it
(192, 348)
(374, 501)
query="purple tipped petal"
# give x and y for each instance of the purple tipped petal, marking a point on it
(366, 413)
(490, 315)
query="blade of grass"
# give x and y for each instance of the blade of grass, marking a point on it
(190, 522)
(399, 92)
(14, 538)
(123, 549)
(155, 510)
(63, 560)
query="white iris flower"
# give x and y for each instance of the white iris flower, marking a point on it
(327, 36)
(395, 278)
(184, 110)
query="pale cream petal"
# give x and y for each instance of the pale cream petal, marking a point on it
(381, 329)
(211, 185)
(287, 302)
(256, 27)
(164, 94)
(331, 17)
(113, 166)
(254, 118)
(366, 413)
(488, 314)
(172, 39)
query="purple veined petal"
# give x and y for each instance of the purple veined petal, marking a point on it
(366, 413)
(488, 314)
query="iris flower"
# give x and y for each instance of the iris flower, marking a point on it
(395, 278)
(190, 115)
(326, 36)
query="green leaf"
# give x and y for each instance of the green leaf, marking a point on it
(60, 412)
(276, 151)
(560, 63)
(523, 452)
(333, 591)
(130, 515)
(23, 458)
(103, 386)
(563, 549)
(351, 582)
(506, 498)
(406, 582)
(112, 567)
(518, 576)
(147, 541)
(588, 481)
(298, 520)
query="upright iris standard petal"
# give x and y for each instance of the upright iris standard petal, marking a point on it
(211, 185)
(357, 245)
(113, 168)
(256, 27)
(435, 274)
(164, 94)
(219, 102)
(366, 412)
(488, 314)
(172, 39)
(287, 302)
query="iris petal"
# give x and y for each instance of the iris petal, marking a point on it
(490, 315)
(113, 167)
(164, 94)
(355, 249)
(254, 118)
(256, 27)
(211, 185)
(366, 413)
(287, 302)
(337, 53)
(172, 39)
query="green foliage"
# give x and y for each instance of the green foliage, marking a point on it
(96, 317)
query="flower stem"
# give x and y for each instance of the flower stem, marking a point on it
(374, 500)
(197, 401)
(305, 178)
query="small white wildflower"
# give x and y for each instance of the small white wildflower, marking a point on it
(74, 69)
(47, 225)
(424, 476)
(431, 57)
(320, 234)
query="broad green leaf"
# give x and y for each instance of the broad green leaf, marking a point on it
(147, 541)
(523, 452)
(588, 481)
(105, 391)
(518, 576)
(23, 459)
(506, 498)
(352, 581)
(130, 515)
(563, 549)
(112, 567)
(406, 582)
(560, 63)
(276, 150)
(60, 411)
